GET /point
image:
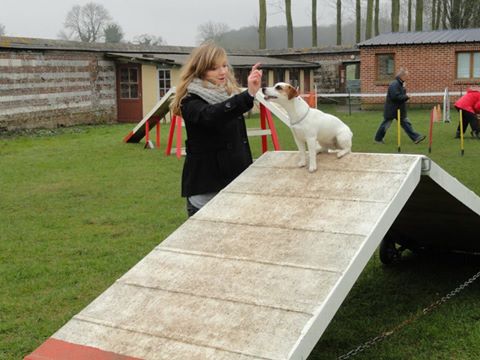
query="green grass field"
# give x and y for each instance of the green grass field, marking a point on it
(78, 208)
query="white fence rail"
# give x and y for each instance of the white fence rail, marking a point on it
(445, 98)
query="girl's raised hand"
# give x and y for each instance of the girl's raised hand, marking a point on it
(254, 79)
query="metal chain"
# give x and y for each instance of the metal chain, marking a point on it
(372, 342)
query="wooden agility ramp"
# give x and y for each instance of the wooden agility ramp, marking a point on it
(261, 270)
(161, 108)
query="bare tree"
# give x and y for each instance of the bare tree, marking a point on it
(444, 14)
(368, 25)
(2, 29)
(288, 14)
(419, 16)
(212, 31)
(262, 25)
(113, 33)
(358, 21)
(149, 40)
(409, 22)
(460, 14)
(395, 15)
(377, 18)
(86, 23)
(438, 16)
(314, 24)
(339, 22)
(433, 17)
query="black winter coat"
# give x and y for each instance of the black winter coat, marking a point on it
(217, 145)
(396, 99)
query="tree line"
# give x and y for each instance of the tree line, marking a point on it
(93, 23)
(420, 15)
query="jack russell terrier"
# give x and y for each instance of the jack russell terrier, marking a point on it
(320, 131)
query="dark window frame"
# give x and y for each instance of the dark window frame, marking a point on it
(130, 84)
(471, 66)
(386, 76)
(162, 81)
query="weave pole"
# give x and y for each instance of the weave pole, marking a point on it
(398, 132)
(147, 133)
(462, 144)
(430, 134)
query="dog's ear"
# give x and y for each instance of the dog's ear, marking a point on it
(292, 92)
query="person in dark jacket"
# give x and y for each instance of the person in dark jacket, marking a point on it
(212, 106)
(396, 99)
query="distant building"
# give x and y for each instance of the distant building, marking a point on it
(435, 59)
(50, 83)
(338, 66)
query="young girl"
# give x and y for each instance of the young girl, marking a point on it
(212, 106)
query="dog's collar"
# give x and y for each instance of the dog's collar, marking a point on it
(302, 118)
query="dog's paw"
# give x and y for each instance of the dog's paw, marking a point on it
(342, 153)
(312, 169)
(302, 163)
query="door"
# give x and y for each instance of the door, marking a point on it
(129, 92)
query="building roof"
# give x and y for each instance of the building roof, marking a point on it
(298, 51)
(237, 61)
(22, 43)
(425, 37)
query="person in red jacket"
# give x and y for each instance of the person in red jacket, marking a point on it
(470, 106)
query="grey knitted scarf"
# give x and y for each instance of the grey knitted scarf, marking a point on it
(207, 91)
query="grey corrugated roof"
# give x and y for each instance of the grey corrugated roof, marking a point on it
(425, 37)
(22, 43)
(234, 60)
(297, 51)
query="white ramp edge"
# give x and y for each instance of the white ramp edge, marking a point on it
(275, 109)
(160, 109)
(261, 270)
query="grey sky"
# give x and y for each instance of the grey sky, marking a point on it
(175, 20)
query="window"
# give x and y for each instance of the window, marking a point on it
(164, 81)
(385, 67)
(128, 83)
(468, 65)
(295, 77)
(278, 75)
(306, 80)
(242, 76)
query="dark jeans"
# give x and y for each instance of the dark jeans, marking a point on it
(406, 125)
(191, 210)
(468, 118)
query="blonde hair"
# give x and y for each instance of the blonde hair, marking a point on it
(205, 57)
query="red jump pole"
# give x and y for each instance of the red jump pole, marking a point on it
(271, 125)
(168, 150)
(263, 126)
(147, 132)
(179, 137)
(158, 134)
(430, 134)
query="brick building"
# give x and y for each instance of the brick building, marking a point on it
(435, 59)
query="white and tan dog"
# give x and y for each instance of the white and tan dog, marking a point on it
(310, 126)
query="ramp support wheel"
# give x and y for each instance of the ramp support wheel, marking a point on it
(389, 252)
